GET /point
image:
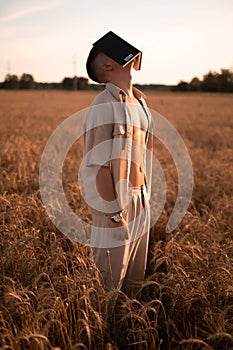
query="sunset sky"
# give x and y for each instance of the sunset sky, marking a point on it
(180, 39)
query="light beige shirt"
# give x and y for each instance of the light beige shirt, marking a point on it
(108, 131)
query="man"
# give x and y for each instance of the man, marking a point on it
(117, 166)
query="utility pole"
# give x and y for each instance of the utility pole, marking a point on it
(75, 78)
(9, 67)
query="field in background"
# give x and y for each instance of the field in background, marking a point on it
(50, 294)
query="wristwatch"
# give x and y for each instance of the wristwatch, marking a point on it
(117, 217)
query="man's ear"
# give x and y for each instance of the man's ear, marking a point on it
(107, 66)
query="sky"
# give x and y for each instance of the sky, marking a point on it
(179, 39)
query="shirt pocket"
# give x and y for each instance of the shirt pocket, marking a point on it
(119, 136)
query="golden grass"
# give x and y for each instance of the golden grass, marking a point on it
(50, 294)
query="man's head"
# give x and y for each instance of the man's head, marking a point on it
(98, 64)
(102, 69)
(111, 55)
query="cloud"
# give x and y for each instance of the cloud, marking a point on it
(27, 12)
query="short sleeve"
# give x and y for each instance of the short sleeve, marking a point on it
(98, 145)
(104, 123)
(98, 131)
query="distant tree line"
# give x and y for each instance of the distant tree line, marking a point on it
(26, 81)
(211, 82)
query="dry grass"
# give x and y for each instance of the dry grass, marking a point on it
(51, 297)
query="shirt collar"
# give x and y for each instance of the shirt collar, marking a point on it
(117, 92)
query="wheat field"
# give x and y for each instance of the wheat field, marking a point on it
(50, 293)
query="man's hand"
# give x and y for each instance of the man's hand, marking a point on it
(121, 231)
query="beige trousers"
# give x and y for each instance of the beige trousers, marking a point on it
(122, 264)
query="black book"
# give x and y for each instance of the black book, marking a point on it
(118, 49)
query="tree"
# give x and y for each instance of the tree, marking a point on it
(195, 84)
(182, 86)
(26, 81)
(67, 83)
(210, 82)
(82, 83)
(225, 81)
(10, 82)
(74, 83)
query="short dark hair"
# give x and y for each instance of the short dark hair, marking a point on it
(89, 65)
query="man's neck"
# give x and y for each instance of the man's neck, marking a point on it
(124, 82)
(124, 85)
